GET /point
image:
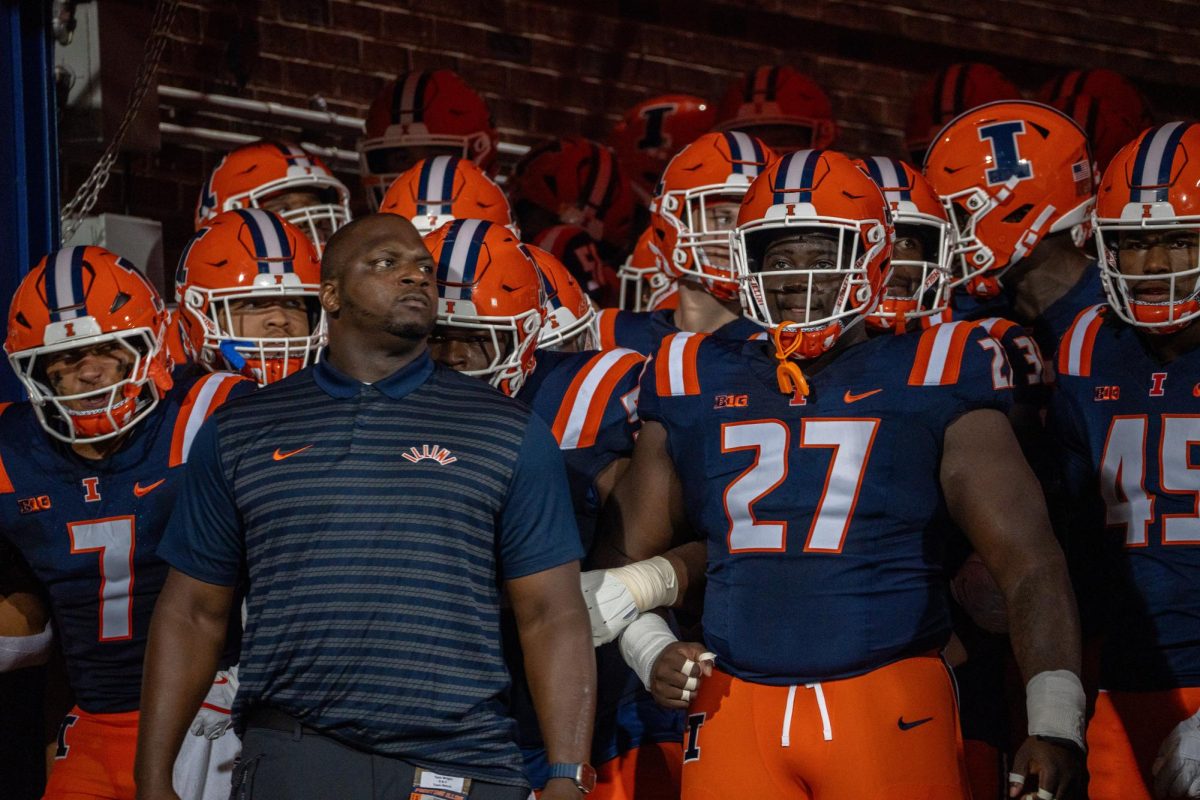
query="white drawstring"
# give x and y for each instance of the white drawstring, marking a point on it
(826, 730)
(786, 739)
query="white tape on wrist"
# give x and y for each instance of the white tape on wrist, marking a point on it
(1055, 704)
(643, 642)
(18, 652)
(652, 582)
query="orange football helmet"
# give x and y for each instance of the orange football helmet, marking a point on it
(444, 188)
(578, 252)
(244, 256)
(570, 317)
(577, 182)
(487, 281)
(1009, 173)
(653, 131)
(422, 114)
(1105, 104)
(950, 92)
(692, 230)
(76, 298)
(263, 175)
(1149, 200)
(917, 213)
(645, 283)
(819, 193)
(767, 99)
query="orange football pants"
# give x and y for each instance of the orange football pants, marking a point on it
(1124, 735)
(95, 757)
(649, 772)
(891, 734)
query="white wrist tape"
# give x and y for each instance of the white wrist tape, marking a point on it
(652, 582)
(1055, 703)
(643, 642)
(17, 652)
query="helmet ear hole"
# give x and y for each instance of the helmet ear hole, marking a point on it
(1019, 213)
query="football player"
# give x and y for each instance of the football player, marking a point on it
(419, 115)
(89, 468)
(691, 217)
(780, 106)
(813, 466)
(575, 248)
(1018, 181)
(490, 309)
(916, 297)
(1124, 414)
(282, 178)
(246, 289)
(440, 189)
(570, 318)
(645, 285)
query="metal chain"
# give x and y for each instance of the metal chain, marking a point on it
(87, 194)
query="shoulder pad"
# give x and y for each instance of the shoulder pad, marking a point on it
(6, 486)
(940, 353)
(675, 370)
(581, 414)
(202, 399)
(606, 323)
(1075, 349)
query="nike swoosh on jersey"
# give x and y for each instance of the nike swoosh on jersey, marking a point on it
(142, 491)
(278, 456)
(850, 397)
(906, 726)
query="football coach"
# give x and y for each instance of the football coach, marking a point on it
(380, 505)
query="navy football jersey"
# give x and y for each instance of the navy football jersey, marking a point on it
(643, 331)
(1129, 431)
(823, 557)
(1088, 291)
(89, 530)
(589, 400)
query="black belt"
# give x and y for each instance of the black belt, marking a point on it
(275, 720)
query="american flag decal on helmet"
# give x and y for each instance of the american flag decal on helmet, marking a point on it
(429, 452)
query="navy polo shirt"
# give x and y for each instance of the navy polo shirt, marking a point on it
(376, 523)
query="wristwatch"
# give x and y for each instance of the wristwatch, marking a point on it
(583, 775)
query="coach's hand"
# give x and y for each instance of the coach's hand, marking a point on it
(677, 673)
(1177, 767)
(1046, 769)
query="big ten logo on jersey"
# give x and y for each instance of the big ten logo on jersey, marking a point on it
(691, 750)
(1006, 155)
(731, 401)
(91, 490)
(32, 505)
(1131, 451)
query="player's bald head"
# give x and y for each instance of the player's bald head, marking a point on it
(364, 234)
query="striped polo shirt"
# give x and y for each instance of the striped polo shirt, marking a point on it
(376, 522)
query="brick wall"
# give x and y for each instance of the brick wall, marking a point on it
(552, 67)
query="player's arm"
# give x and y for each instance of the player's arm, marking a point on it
(557, 646)
(26, 636)
(644, 516)
(187, 634)
(994, 497)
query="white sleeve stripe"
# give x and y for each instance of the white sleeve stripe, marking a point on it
(936, 369)
(200, 409)
(583, 399)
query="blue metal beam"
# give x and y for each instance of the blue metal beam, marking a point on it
(28, 150)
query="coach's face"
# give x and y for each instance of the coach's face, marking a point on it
(385, 283)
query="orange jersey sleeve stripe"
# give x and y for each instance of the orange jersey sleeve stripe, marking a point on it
(997, 327)
(939, 354)
(578, 421)
(607, 322)
(203, 398)
(1075, 349)
(675, 372)
(6, 486)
